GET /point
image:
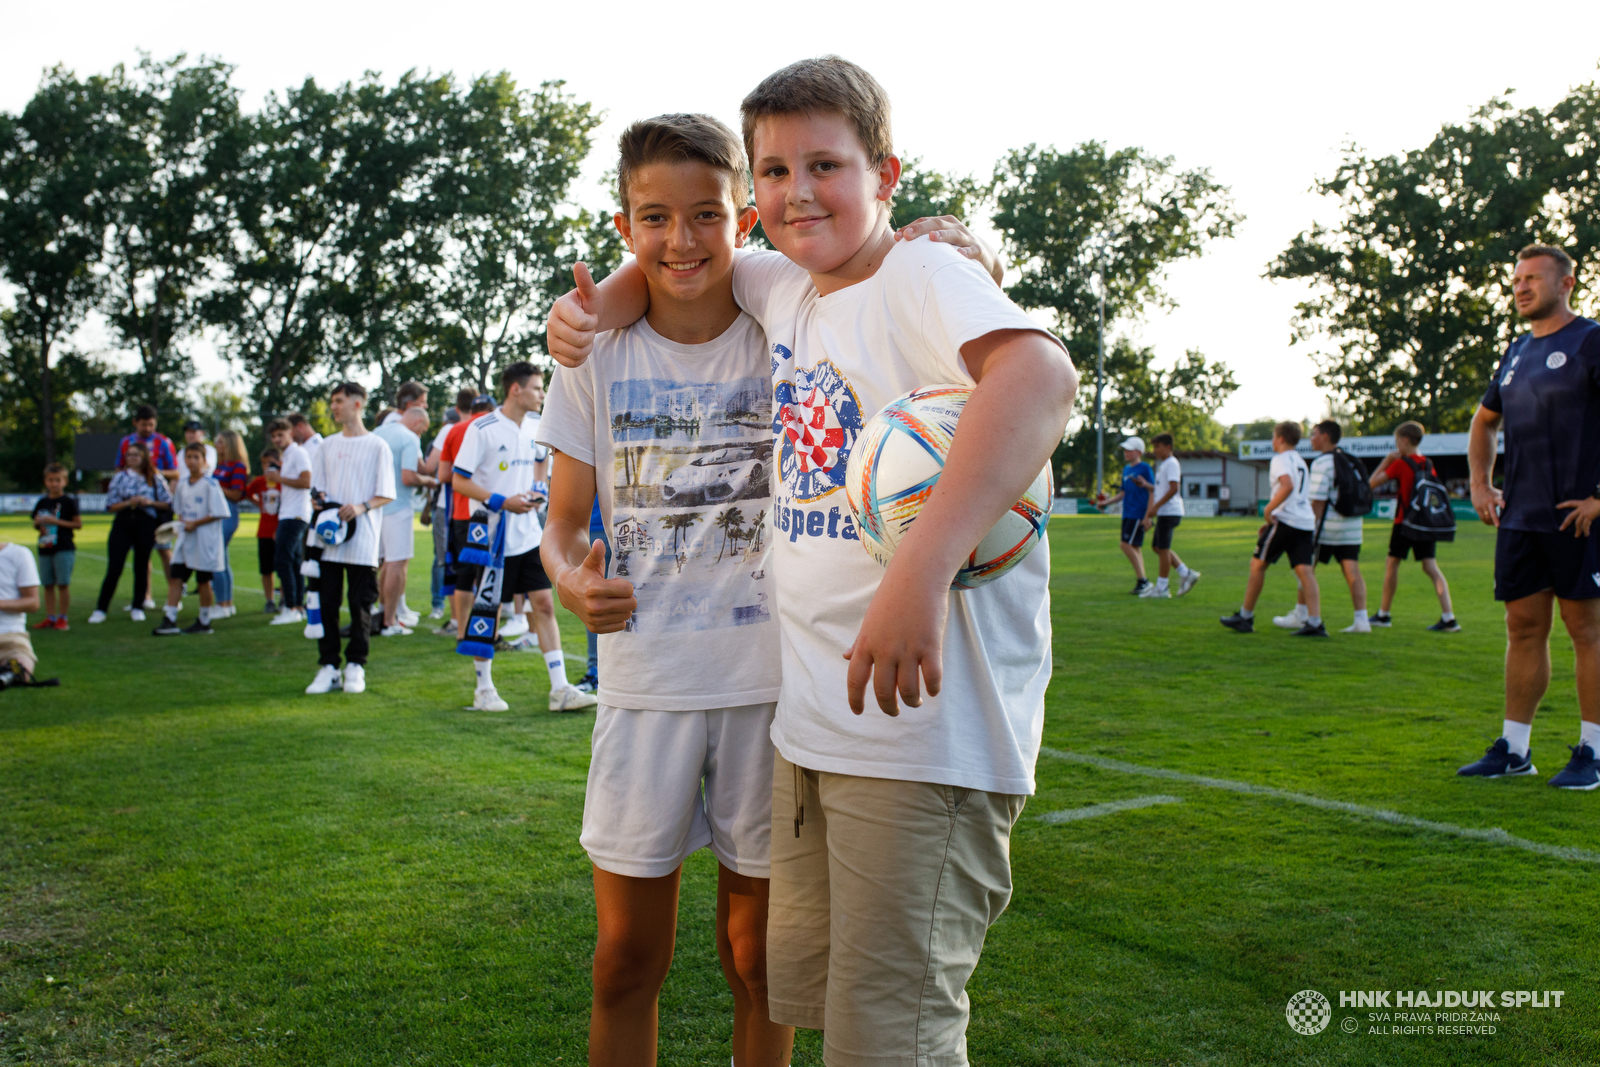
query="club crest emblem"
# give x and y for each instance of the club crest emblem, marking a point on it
(817, 420)
(1556, 360)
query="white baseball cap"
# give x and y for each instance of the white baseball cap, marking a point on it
(1133, 444)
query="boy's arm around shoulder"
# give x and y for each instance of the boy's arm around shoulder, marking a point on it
(1018, 412)
(580, 313)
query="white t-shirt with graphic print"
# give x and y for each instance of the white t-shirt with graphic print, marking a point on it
(836, 361)
(680, 437)
(499, 455)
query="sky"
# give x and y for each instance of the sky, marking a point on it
(1264, 95)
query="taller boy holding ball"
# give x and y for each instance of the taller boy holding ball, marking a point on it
(891, 834)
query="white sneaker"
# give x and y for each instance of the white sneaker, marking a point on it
(526, 643)
(326, 681)
(395, 631)
(1186, 583)
(1290, 621)
(96, 616)
(447, 630)
(487, 699)
(355, 678)
(288, 617)
(571, 698)
(515, 628)
(148, 605)
(407, 617)
(1357, 628)
(1151, 591)
(137, 615)
(436, 614)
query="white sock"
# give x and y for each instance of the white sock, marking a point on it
(1183, 570)
(171, 612)
(1161, 585)
(1313, 620)
(557, 665)
(1448, 616)
(402, 609)
(1590, 736)
(1300, 612)
(1516, 735)
(1246, 613)
(1361, 615)
(205, 615)
(483, 669)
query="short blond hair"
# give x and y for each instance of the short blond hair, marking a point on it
(827, 85)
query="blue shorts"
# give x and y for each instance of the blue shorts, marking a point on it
(56, 568)
(1528, 562)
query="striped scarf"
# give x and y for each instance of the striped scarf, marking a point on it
(486, 548)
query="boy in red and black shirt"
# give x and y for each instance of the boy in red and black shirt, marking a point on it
(1401, 466)
(263, 492)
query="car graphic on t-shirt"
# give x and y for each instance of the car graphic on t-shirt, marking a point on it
(726, 474)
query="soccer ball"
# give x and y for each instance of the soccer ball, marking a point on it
(895, 464)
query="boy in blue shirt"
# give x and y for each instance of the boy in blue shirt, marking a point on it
(1134, 492)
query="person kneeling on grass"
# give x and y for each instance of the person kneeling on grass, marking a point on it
(1287, 531)
(201, 508)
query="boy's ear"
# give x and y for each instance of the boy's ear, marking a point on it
(625, 228)
(888, 177)
(747, 222)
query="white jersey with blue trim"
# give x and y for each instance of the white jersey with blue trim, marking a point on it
(499, 454)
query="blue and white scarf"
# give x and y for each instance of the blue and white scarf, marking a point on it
(485, 548)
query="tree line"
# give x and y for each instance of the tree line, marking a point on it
(419, 229)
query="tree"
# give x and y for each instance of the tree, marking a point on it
(924, 192)
(24, 408)
(1072, 219)
(1412, 285)
(509, 246)
(729, 522)
(54, 163)
(169, 214)
(272, 301)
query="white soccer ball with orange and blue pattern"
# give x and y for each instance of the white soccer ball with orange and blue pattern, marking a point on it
(894, 465)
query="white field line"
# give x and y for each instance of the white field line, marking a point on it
(1111, 807)
(1494, 835)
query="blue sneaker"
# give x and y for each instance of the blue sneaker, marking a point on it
(1498, 762)
(1581, 772)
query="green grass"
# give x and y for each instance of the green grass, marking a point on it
(199, 864)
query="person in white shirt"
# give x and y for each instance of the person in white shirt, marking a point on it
(1165, 512)
(201, 508)
(19, 594)
(352, 471)
(304, 434)
(398, 537)
(293, 479)
(1339, 536)
(501, 466)
(1289, 529)
(195, 434)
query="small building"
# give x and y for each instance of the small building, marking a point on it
(1221, 483)
(1447, 450)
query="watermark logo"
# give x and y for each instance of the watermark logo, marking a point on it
(1308, 1012)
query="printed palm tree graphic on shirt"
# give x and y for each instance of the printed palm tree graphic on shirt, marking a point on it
(730, 523)
(679, 523)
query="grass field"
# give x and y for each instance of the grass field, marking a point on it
(199, 864)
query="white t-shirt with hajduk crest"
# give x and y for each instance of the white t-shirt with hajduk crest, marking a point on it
(836, 360)
(681, 442)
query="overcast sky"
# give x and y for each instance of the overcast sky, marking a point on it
(1264, 95)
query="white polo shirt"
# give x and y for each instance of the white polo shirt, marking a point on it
(499, 455)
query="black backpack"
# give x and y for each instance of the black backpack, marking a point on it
(1429, 516)
(1350, 478)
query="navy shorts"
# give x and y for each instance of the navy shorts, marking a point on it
(1400, 544)
(1165, 524)
(1526, 562)
(183, 572)
(1342, 553)
(1133, 532)
(1279, 539)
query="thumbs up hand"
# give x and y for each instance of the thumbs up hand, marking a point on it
(573, 320)
(604, 604)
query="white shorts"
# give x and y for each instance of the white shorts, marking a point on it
(663, 784)
(395, 540)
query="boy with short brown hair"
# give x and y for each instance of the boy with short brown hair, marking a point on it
(1403, 465)
(56, 516)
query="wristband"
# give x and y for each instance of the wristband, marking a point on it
(496, 501)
